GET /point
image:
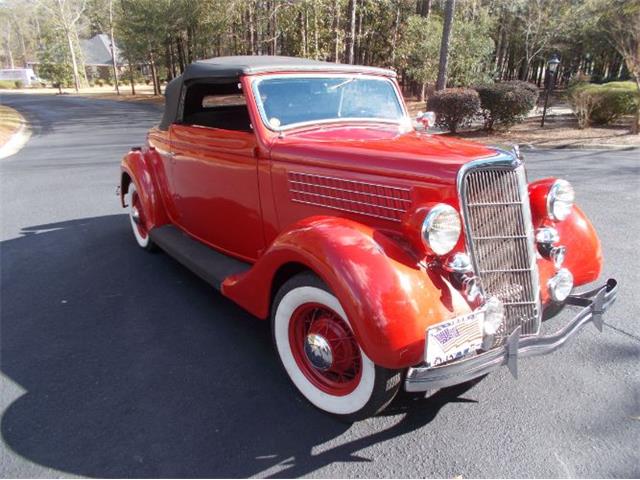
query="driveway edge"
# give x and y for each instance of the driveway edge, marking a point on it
(18, 139)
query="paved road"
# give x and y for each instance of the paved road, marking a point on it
(116, 362)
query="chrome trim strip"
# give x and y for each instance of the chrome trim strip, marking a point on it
(526, 208)
(387, 202)
(386, 197)
(356, 182)
(357, 202)
(347, 210)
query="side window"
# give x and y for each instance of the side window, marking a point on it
(216, 105)
(214, 101)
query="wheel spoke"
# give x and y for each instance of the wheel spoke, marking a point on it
(346, 363)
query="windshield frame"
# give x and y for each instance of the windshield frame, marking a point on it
(401, 121)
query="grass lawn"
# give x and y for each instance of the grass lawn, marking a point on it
(144, 93)
(10, 121)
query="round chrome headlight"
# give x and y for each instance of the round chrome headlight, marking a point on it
(560, 200)
(441, 229)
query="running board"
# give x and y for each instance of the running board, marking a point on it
(210, 265)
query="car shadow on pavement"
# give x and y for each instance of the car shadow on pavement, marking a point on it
(127, 365)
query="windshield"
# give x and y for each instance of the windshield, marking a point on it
(286, 101)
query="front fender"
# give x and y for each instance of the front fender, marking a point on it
(577, 234)
(138, 167)
(389, 297)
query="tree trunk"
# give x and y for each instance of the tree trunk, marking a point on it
(132, 78)
(252, 37)
(69, 27)
(81, 66)
(357, 48)
(259, 33)
(190, 40)
(444, 44)
(168, 60)
(336, 31)
(181, 59)
(423, 8)
(274, 27)
(154, 74)
(540, 73)
(394, 42)
(635, 127)
(74, 63)
(8, 46)
(316, 51)
(113, 48)
(352, 31)
(303, 32)
(23, 46)
(499, 45)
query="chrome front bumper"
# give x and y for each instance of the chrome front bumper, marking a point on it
(594, 303)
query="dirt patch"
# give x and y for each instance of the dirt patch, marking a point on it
(10, 123)
(560, 130)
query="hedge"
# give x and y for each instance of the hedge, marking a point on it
(506, 103)
(6, 84)
(603, 104)
(454, 107)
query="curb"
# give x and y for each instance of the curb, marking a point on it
(18, 139)
(580, 146)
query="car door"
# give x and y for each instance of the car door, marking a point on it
(213, 173)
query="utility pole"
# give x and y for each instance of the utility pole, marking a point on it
(449, 10)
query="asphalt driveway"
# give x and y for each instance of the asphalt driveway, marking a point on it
(115, 362)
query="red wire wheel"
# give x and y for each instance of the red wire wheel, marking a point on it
(325, 349)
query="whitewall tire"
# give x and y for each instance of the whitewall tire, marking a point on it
(137, 219)
(320, 354)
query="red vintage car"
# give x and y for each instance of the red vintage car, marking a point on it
(385, 257)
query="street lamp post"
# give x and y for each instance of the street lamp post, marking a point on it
(552, 70)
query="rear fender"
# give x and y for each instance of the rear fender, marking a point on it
(389, 297)
(137, 167)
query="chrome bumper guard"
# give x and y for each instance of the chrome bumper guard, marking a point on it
(594, 303)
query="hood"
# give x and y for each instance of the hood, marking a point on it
(380, 150)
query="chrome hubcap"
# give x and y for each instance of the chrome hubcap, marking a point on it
(318, 351)
(135, 215)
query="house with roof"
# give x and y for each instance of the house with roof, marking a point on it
(97, 56)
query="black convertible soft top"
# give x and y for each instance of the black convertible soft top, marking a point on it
(231, 68)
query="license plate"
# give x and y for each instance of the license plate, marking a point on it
(454, 338)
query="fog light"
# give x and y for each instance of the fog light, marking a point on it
(547, 235)
(557, 254)
(493, 316)
(459, 263)
(560, 285)
(471, 288)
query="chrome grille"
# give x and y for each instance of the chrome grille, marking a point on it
(497, 217)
